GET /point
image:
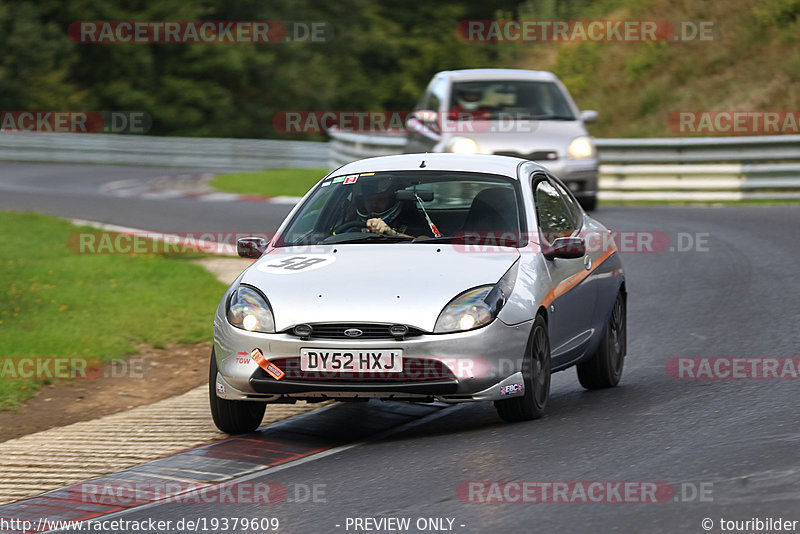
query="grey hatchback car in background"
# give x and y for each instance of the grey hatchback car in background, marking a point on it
(520, 113)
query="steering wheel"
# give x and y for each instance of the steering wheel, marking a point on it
(348, 227)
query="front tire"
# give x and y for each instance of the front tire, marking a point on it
(232, 416)
(536, 379)
(604, 369)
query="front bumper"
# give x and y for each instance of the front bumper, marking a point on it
(482, 364)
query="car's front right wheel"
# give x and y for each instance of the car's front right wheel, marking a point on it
(232, 416)
(535, 376)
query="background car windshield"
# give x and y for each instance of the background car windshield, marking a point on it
(518, 99)
(455, 202)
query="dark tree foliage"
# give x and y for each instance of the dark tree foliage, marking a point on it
(380, 57)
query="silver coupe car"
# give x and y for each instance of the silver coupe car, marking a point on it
(422, 277)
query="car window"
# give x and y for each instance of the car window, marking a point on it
(554, 218)
(571, 203)
(437, 95)
(456, 203)
(520, 99)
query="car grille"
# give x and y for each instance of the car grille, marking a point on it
(369, 331)
(538, 155)
(414, 370)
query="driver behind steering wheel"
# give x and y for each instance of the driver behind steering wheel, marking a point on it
(379, 208)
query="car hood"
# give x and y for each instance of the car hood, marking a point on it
(523, 136)
(406, 283)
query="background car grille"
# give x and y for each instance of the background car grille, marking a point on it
(370, 331)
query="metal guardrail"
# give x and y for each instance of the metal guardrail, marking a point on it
(213, 153)
(729, 168)
(700, 168)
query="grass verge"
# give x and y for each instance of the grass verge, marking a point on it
(270, 183)
(58, 304)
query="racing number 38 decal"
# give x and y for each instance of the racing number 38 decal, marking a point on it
(296, 264)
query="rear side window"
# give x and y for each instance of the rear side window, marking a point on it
(554, 218)
(572, 205)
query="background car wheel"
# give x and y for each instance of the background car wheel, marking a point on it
(536, 377)
(232, 416)
(604, 369)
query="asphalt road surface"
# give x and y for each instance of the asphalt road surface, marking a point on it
(728, 448)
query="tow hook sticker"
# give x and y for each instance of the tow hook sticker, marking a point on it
(272, 370)
(512, 389)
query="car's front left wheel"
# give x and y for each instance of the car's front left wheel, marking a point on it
(536, 379)
(232, 416)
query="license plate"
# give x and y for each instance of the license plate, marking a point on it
(355, 361)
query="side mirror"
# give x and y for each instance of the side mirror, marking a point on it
(251, 247)
(567, 248)
(589, 116)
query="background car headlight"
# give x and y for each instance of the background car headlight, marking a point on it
(477, 307)
(581, 147)
(249, 310)
(462, 145)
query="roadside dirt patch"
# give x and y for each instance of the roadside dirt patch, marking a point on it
(144, 378)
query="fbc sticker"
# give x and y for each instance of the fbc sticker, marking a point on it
(511, 389)
(220, 388)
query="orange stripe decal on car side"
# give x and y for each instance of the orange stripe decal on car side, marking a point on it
(575, 279)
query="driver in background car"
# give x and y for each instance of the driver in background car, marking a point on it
(468, 103)
(383, 213)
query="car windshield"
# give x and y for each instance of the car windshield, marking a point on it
(509, 99)
(408, 206)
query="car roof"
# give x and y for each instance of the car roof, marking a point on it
(490, 164)
(498, 74)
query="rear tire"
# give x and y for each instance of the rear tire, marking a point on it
(536, 379)
(232, 416)
(604, 369)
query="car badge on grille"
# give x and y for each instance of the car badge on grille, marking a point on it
(353, 332)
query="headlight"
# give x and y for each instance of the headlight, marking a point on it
(462, 145)
(581, 147)
(249, 310)
(477, 307)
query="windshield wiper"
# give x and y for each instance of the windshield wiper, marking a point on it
(469, 239)
(368, 237)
